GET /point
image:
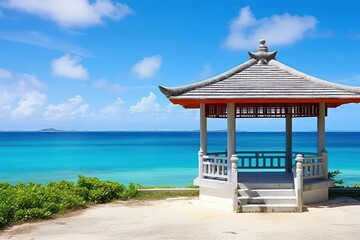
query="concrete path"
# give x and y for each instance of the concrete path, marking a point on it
(187, 219)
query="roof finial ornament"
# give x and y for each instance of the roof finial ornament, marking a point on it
(263, 56)
(262, 47)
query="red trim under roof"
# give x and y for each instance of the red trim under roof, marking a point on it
(331, 102)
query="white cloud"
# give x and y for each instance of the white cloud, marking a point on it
(41, 40)
(105, 85)
(69, 67)
(246, 30)
(81, 110)
(146, 104)
(7, 108)
(29, 103)
(75, 100)
(31, 80)
(20, 95)
(113, 108)
(147, 67)
(5, 73)
(74, 106)
(72, 13)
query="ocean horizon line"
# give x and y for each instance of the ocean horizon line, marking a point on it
(163, 130)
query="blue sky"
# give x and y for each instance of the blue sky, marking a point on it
(96, 65)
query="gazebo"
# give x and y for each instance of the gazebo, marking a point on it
(262, 87)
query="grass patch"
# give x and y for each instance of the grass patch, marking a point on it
(163, 193)
(139, 186)
(157, 195)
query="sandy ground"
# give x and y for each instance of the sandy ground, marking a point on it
(186, 219)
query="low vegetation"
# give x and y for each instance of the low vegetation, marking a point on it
(165, 194)
(339, 183)
(28, 202)
(139, 186)
(333, 174)
(341, 189)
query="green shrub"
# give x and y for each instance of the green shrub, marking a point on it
(94, 190)
(62, 196)
(333, 175)
(131, 192)
(5, 215)
(357, 185)
(27, 202)
(29, 214)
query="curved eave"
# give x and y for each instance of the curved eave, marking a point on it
(330, 102)
(177, 91)
(295, 72)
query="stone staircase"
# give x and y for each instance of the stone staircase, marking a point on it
(266, 197)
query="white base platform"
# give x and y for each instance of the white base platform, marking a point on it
(215, 194)
(219, 194)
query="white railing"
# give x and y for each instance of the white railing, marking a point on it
(217, 164)
(262, 160)
(307, 168)
(313, 167)
(215, 167)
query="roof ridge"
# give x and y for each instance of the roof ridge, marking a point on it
(172, 92)
(313, 79)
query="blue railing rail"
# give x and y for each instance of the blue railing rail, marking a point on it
(261, 159)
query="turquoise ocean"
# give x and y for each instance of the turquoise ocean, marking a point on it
(149, 158)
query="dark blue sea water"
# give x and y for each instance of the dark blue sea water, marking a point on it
(148, 158)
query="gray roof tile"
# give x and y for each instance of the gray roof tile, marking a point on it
(263, 78)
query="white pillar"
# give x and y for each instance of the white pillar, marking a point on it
(203, 129)
(299, 182)
(201, 164)
(203, 139)
(321, 128)
(288, 161)
(325, 166)
(230, 136)
(234, 168)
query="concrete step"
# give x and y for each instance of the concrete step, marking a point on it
(287, 185)
(266, 192)
(269, 208)
(244, 200)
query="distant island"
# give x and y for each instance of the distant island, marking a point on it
(49, 130)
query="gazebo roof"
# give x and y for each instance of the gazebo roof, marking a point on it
(262, 80)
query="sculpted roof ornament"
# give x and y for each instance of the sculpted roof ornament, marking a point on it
(263, 56)
(262, 47)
